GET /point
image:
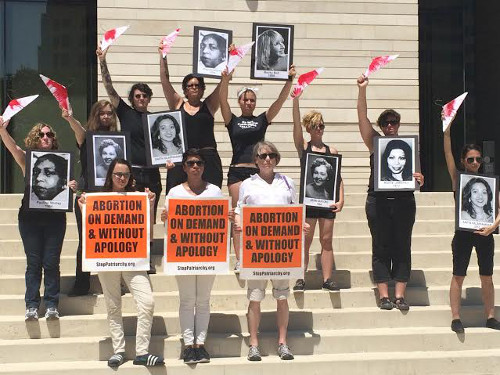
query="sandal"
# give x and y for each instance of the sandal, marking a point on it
(401, 304)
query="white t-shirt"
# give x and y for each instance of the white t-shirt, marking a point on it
(179, 191)
(255, 191)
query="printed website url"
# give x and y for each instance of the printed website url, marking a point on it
(271, 273)
(196, 268)
(115, 264)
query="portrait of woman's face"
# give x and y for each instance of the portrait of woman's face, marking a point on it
(278, 46)
(167, 130)
(320, 175)
(108, 155)
(396, 161)
(210, 53)
(46, 182)
(479, 195)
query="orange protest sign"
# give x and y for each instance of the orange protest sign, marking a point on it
(116, 227)
(272, 240)
(197, 236)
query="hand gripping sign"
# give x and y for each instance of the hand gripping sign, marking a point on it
(110, 36)
(272, 242)
(59, 92)
(197, 236)
(379, 62)
(450, 110)
(16, 105)
(116, 228)
(168, 41)
(236, 55)
(304, 81)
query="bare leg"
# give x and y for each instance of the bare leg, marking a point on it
(308, 240)
(400, 289)
(456, 295)
(282, 319)
(488, 294)
(234, 192)
(383, 290)
(253, 319)
(326, 238)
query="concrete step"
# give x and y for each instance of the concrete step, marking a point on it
(315, 342)
(225, 300)
(353, 278)
(232, 322)
(372, 363)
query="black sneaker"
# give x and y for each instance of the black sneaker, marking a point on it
(386, 304)
(149, 360)
(300, 286)
(189, 355)
(457, 326)
(202, 355)
(493, 323)
(401, 304)
(116, 360)
(254, 354)
(330, 286)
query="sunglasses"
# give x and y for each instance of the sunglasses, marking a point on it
(389, 122)
(48, 134)
(478, 159)
(191, 163)
(121, 174)
(272, 155)
(138, 96)
(320, 127)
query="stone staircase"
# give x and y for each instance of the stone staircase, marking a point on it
(342, 332)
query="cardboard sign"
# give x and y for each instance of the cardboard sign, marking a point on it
(116, 232)
(197, 236)
(272, 242)
(17, 105)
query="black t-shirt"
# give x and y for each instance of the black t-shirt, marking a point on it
(131, 121)
(244, 133)
(38, 216)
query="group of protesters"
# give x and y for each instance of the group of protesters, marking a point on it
(252, 179)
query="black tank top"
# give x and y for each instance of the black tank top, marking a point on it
(199, 128)
(309, 150)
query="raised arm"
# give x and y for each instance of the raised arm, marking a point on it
(114, 98)
(365, 126)
(9, 142)
(174, 100)
(298, 136)
(224, 104)
(76, 126)
(274, 109)
(450, 160)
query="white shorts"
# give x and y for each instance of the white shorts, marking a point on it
(257, 289)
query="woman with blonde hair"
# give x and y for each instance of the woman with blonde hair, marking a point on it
(314, 124)
(102, 118)
(42, 233)
(271, 51)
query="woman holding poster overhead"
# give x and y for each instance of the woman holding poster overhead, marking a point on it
(390, 215)
(266, 187)
(199, 118)
(120, 179)
(194, 290)
(315, 126)
(463, 241)
(42, 233)
(102, 117)
(245, 131)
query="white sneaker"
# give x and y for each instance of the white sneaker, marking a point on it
(52, 313)
(31, 314)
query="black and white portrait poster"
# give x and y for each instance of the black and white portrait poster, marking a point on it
(210, 50)
(395, 163)
(47, 175)
(102, 149)
(476, 201)
(272, 53)
(320, 178)
(165, 137)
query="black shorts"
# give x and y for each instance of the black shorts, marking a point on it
(461, 247)
(319, 213)
(237, 174)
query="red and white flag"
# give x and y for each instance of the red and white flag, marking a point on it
(168, 41)
(59, 91)
(16, 105)
(110, 36)
(304, 81)
(379, 62)
(236, 55)
(450, 110)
